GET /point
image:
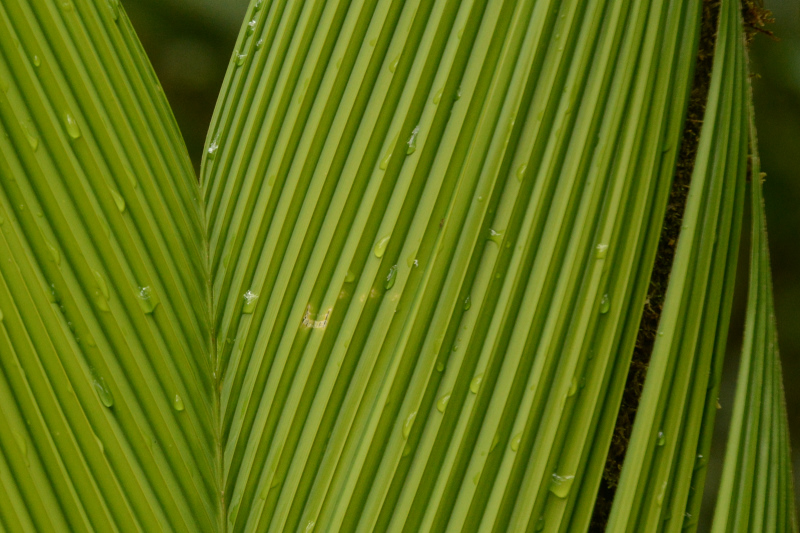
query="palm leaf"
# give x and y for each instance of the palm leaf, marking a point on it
(405, 293)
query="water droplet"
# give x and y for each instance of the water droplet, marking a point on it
(54, 254)
(700, 462)
(113, 5)
(660, 496)
(240, 59)
(101, 293)
(475, 384)
(103, 392)
(515, 442)
(521, 171)
(440, 366)
(380, 246)
(600, 251)
(540, 524)
(661, 439)
(412, 141)
(496, 236)
(250, 299)
(36, 61)
(177, 403)
(251, 27)
(66, 5)
(33, 140)
(605, 304)
(441, 404)
(384, 164)
(393, 64)
(390, 279)
(258, 5)
(118, 200)
(259, 43)
(147, 299)
(408, 424)
(458, 93)
(310, 526)
(438, 96)
(406, 450)
(350, 276)
(72, 126)
(560, 485)
(573, 387)
(233, 512)
(212, 150)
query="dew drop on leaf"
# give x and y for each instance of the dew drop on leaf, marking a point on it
(393, 64)
(147, 300)
(662, 439)
(438, 96)
(573, 387)
(54, 253)
(441, 404)
(408, 424)
(467, 303)
(212, 149)
(250, 299)
(177, 403)
(350, 277)
(515, 442)
(600, 251)
(521, 171)
(33, 140)
(475, 384)
(119, 201)
(380, 246)
(496, 236)
(605, 304)
(73, 130)
(390, 279)
(412, 141)
(103, 392)
(233, 512)
(560, 485)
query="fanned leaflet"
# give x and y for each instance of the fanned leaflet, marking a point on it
(663, 449)
(102, 284)
(443, 190)
(405, 293)
(756, 492)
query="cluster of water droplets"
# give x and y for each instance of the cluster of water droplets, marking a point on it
(250, 299)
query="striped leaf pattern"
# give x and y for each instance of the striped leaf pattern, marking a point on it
(666, 459)
(106, 389)
(756, 489)
(406, 291)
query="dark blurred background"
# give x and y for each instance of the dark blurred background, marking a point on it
(190, 43)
